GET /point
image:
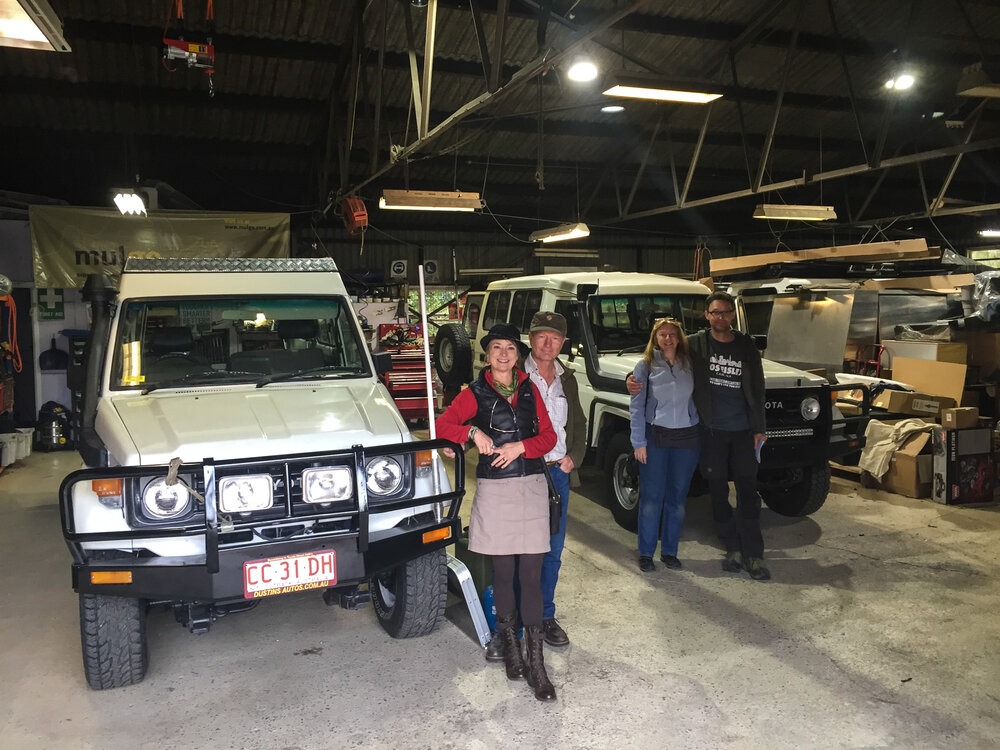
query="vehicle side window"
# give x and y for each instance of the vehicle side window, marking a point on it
(526, 303)
(496, 309)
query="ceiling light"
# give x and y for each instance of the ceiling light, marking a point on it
(560, 233)
(789, 212)
(31, 24)
(900, 83)
(975, 81)
(611, 108)
(641, 86)
(582, 71)
(430, 200)
(130, 204)
(989, 232)
(558, 252)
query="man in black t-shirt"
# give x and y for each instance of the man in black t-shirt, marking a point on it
(729, 394)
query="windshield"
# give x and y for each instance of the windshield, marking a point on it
(177, 341)
(625, 321)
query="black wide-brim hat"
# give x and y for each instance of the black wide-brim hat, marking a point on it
(506, 332)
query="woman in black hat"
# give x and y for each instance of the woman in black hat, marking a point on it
(503, 413)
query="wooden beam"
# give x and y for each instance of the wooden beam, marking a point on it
(875, 251)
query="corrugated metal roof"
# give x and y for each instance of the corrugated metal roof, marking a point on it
(285, 72)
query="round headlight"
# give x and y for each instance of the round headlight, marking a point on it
(161, 500)
(809, 408)
(383, 475)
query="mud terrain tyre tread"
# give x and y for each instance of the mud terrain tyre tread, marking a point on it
(803, 498)
(453, 355)
(113, 637)
(417, 595)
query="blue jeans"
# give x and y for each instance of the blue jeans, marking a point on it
(664, 481)
(553, 558)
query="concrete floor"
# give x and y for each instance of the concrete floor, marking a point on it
(880, 629)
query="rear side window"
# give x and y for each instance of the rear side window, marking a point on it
(526, 303)
(496, 309)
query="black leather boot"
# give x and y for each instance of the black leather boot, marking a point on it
(512, 658)
(495, 649)
(534, 671)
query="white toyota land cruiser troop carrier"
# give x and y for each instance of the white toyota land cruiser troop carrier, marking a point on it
(610, 316)
(240, 445)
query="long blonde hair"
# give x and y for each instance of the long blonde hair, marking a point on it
(682, 343)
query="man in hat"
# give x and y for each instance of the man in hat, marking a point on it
(557, 385)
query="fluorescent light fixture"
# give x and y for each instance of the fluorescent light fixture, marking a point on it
(558, 252)
(560, 233)
(612, 108)
(640, 86)
(975, 81)
(429, 200)
(989, 232)
(790, 212)
(31, 24)
(582, 71)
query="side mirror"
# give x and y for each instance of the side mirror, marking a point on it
(760, 341)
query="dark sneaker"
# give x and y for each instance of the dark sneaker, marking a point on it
(495, 648)
(755, 567)
(646, 564)
(554, 634)
(671, 562)
(733, 562)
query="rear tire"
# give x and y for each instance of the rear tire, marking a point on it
(410, 599)
(453, 355)
(622, 477)
(113, 636)
(804, 496)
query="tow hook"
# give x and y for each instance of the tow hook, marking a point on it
(197, 618)
(352, 598)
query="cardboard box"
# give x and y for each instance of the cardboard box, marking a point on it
(960, 418)
(963, 466)
(911, 468)
(908, 402)
(938, 351)
(936, 378)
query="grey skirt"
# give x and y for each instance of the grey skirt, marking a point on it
(510, 516)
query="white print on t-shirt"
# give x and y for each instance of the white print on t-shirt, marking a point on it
(724, 371)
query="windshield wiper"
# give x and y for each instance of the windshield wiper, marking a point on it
(331, 369)
(207, 376)
(631, 349)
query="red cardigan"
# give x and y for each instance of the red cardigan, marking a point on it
(451, 425)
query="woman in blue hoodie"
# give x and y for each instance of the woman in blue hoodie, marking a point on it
(664, 435)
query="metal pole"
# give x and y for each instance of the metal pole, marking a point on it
(435, 458)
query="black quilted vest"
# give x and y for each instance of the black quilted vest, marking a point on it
(506, 424)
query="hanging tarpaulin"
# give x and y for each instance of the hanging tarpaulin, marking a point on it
(69, 243)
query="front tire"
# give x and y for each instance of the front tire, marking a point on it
(113, 636)
(410, 599)
(803, 495)
(622, 477)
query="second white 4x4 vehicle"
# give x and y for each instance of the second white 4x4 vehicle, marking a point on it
(610, 316)
(240, 446)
